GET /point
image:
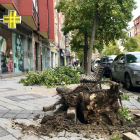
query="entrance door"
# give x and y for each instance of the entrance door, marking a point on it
(36, 56)
(51, 59)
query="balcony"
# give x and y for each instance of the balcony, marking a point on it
(11, 4)
(29, 14)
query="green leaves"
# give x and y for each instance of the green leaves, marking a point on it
(124, 113)
(138, 99)
(130, 45)
(125, 97)
(54, 76)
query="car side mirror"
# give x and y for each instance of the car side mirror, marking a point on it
(120, 62)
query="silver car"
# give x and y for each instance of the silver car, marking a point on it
(126, 69)
(94, 64)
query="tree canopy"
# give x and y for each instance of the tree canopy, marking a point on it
(111, 50)
(103, 19)
(130, 45)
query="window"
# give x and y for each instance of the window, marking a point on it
(133, 58)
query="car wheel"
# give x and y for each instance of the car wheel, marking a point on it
(128, 83)
(111, 77)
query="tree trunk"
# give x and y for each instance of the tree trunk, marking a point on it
(85, 52)
(91, 44)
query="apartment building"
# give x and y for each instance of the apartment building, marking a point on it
(28, 47)
(136, 26)
(130, 32)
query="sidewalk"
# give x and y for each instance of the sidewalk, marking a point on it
(22, 103)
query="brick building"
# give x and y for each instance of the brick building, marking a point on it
(136, 26)
(30, 46)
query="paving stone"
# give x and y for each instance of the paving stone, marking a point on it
(8, 137)
(9, 115)
(4, 111)
(2, 114)
(14, 111)
(56, 138)
(130, 136)
(22, 116)
(71, 114)
(26, 111)
(45, 137)
(32, 116)
(3, 132)
(134, 102)
(61, 134)
(93, 137)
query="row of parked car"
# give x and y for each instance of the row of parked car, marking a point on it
(124, 68)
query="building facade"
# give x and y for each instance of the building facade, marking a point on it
(28, 47)
(130, 32)
(136, 26)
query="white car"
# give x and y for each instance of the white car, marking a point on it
(95, 64)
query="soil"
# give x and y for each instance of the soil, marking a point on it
(97, 113)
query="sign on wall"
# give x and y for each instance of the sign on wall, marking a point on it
(12, 19)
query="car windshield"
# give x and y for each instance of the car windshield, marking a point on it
(97, 61)
(108, 59)
(133, 58)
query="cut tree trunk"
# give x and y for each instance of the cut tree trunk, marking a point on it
(91, 43)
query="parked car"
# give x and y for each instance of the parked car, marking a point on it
(94, 64)
(106, 61)
(126, 69)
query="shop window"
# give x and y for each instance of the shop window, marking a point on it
(18, 53)
(6, 56)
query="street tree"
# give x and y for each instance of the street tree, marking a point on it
(107, 18)
(111, 50)
(130, 45)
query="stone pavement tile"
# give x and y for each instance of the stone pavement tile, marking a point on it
(76, 138)
(25, 121)
(20, 136)
(14, 111)
(2, 114)
(45, 137)
(2, 108)
(3, 132)
(61, 134)
(9, 115)
(8, 137)
(69, 134)
(7, 125)
(22, 116)
(4, 111)
(134, 102)
(56, 138)
(126, 102)
(32, 116)
(26, 111)
(131, 107)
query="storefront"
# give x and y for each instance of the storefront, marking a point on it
(54, 55)
(6, 55)
(46, 57)
(16, 54)
(62, 55)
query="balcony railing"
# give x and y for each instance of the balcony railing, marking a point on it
(35, 14)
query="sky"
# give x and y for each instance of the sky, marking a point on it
(135, 13)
